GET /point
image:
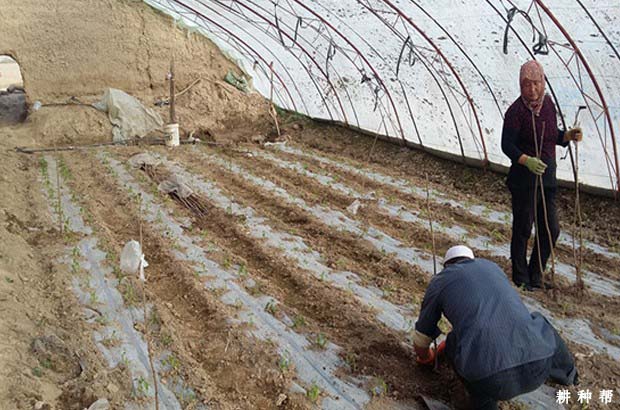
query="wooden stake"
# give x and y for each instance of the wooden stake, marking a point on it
(430, 222)
(173, 116)
(539, 180)
(60, 221)
(272, 108)
(577, 228)
(146, 322)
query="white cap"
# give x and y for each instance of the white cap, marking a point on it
(458, 251)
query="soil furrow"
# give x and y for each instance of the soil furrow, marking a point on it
(497, 231)
(596, 307)
(349, 329)
(236, 370)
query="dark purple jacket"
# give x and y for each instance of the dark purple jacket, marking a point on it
(518, 139)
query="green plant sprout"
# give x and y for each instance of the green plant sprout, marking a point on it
(242, 270)
(321, 340)
(93, 297)
(284, 362)
(313, 392)
(172, 361)
(143, 386)
(271, 307)
(298, 322)
(166, 339)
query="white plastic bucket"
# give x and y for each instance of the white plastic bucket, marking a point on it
(171, 135)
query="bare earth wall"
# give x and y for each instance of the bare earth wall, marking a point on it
(79, 48)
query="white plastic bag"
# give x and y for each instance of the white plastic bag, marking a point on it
(132, 260)
(354, 207)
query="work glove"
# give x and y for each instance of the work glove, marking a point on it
(431, 354)
(535, 165)
(574, 134)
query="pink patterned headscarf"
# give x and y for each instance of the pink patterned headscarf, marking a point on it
(533, 70)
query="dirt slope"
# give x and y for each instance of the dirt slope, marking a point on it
(80, 48)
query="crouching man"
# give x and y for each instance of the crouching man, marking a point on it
(496, 346)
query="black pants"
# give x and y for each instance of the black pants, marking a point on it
(519, 380)
(523, 206)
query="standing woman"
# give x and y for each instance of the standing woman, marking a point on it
(533, 110)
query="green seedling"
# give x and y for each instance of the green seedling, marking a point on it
(9, 280)
(299, 321)
(387, 290)
(64, 170)
(313, 393)
(378, 387)
(154, 319)
(129, 294)
(46, 363)
(321, 340)
(284, 363)
(351, 360)
(173, 362)
(111, 340)
(238, 303)
(75, 267)
(243, 271)
(143, 386)
(187, 398)
(43, 167)
(37, 371)
(102, 320)
(497, 235)
(118, 273)
(271, 307)
(93, 297)
(166, 339)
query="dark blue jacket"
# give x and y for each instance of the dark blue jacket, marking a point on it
(492, 330)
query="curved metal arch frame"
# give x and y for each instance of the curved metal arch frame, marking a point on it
(471, 61)
(309, 56)
(312, 47)
(376, 74)
(402, 86)
(197, 13)
(577, 56)
(533, 56)
(581, 58)
(452, 69)
(318, 88)
(301, 97)
(361, 71)
(310, 75)
(594, 81)
(430, 71)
